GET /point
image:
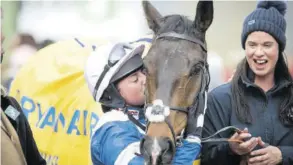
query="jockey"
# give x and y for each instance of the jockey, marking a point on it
(114, 76)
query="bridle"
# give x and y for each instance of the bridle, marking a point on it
(204, 83)
(199, 103)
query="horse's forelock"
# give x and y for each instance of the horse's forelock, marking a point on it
(179, 24)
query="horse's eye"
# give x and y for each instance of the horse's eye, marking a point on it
(195, 70)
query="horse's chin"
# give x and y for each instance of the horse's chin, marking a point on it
(159, 163)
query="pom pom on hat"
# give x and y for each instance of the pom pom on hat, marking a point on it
(267, 17)
(280, 5)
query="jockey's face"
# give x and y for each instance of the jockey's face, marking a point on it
(262, 52)
(132, 88)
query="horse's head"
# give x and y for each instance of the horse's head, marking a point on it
(176, 69)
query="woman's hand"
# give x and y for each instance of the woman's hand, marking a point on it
(245, 147)
(266, 156)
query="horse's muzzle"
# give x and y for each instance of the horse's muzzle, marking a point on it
(157, 150)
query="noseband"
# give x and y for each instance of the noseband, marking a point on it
(203, 90)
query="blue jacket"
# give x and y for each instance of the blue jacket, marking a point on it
(264, 109)
(116, 140)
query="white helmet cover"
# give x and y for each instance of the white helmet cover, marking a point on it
(99, 59)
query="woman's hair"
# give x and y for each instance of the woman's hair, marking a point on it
(239, 100)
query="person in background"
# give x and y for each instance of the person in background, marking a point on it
(216, 68)
(18, 146)
(258, 100)
(22, 48)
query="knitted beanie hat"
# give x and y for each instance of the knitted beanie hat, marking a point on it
(267, 17)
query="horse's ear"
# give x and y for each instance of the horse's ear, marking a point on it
(204, 15)
(152, 15)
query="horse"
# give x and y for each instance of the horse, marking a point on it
(177, 78)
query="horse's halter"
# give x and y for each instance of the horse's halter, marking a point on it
(203, 89)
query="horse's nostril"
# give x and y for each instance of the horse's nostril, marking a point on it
(145, 146)
(157, 150)
(169, 150)
(146, 149)
(163, 150)
(166, 144)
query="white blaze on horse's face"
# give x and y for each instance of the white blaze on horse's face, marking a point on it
(156, 150)
(157, 112)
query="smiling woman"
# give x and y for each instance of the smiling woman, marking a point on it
(259, 99)
(262, 52)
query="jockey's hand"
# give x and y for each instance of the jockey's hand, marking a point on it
(246, 146)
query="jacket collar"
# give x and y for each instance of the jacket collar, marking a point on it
(247, 78)
(136, 112)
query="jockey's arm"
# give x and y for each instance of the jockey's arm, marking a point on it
(117, 142)
(187, 153)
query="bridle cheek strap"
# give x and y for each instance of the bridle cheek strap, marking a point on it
(199, 106)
